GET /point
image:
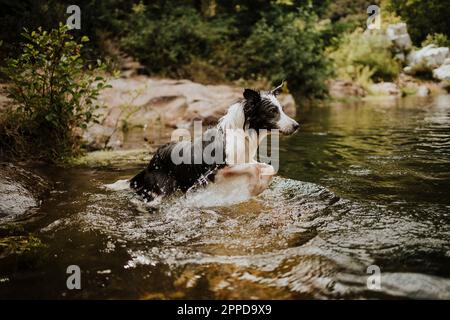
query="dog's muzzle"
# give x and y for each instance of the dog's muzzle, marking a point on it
(291, 129)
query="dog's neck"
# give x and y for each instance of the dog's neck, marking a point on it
(234, 118)
(241, 144)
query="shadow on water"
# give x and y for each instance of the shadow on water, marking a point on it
(386, 164)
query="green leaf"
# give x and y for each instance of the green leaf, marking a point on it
(53, 57)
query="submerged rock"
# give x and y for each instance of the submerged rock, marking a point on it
(20, 190)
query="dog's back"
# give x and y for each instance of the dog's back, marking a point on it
(252, 118)
(163, 176)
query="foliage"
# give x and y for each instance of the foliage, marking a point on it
(346, 16)
(52, 95)
(423, 17)
(167, 44)
(98, 22)
(286, 47)
(439, 39)
(362, 55)
(227, 40)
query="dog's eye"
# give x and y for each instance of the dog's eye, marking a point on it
(273, 109)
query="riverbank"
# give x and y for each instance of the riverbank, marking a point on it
(404, 85)
(365, 59)
(139, 111)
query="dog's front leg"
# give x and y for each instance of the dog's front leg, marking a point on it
(259, 175)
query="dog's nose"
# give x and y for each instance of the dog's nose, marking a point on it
(296, 126)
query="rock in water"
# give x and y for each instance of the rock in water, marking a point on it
(20, 190)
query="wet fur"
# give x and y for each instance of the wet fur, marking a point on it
(258, 110)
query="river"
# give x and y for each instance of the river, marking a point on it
(362, 186)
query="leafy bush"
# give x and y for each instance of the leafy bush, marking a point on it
(439, 39)
(286, 47)
(359, 54)
(52, 95)
(171, 42)
(206, 41)
(234, 43)
(346, 16)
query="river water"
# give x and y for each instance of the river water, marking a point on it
(362, 186)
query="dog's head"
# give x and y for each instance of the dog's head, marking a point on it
(262, 110)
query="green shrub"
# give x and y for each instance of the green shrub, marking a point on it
(167, 44)
(231, 43)
(439, 39)
(359, 54)
(288, 47)
(52, 94)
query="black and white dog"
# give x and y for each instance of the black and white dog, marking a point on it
(234, 148)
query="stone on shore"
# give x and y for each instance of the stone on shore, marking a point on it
(442, 73)
(385, 88)
(399, 36)
(426, 59)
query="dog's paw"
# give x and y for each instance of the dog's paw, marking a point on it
(266, 169)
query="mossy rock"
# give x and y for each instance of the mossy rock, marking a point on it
(113, 158)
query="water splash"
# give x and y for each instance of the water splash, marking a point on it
(297, 238)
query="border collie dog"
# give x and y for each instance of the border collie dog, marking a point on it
(249, 119)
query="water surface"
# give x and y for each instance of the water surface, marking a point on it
(363, 183)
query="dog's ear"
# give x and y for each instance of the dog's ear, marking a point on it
(252, 95)
(278, 89)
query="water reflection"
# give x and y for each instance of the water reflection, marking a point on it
(374, 150)
(387, 167)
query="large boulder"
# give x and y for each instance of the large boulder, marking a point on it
(399, 36)
(443, 72)
(141, 103)
(20, 191)
(426, 59)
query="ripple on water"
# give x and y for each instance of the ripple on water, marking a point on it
(296, 239)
